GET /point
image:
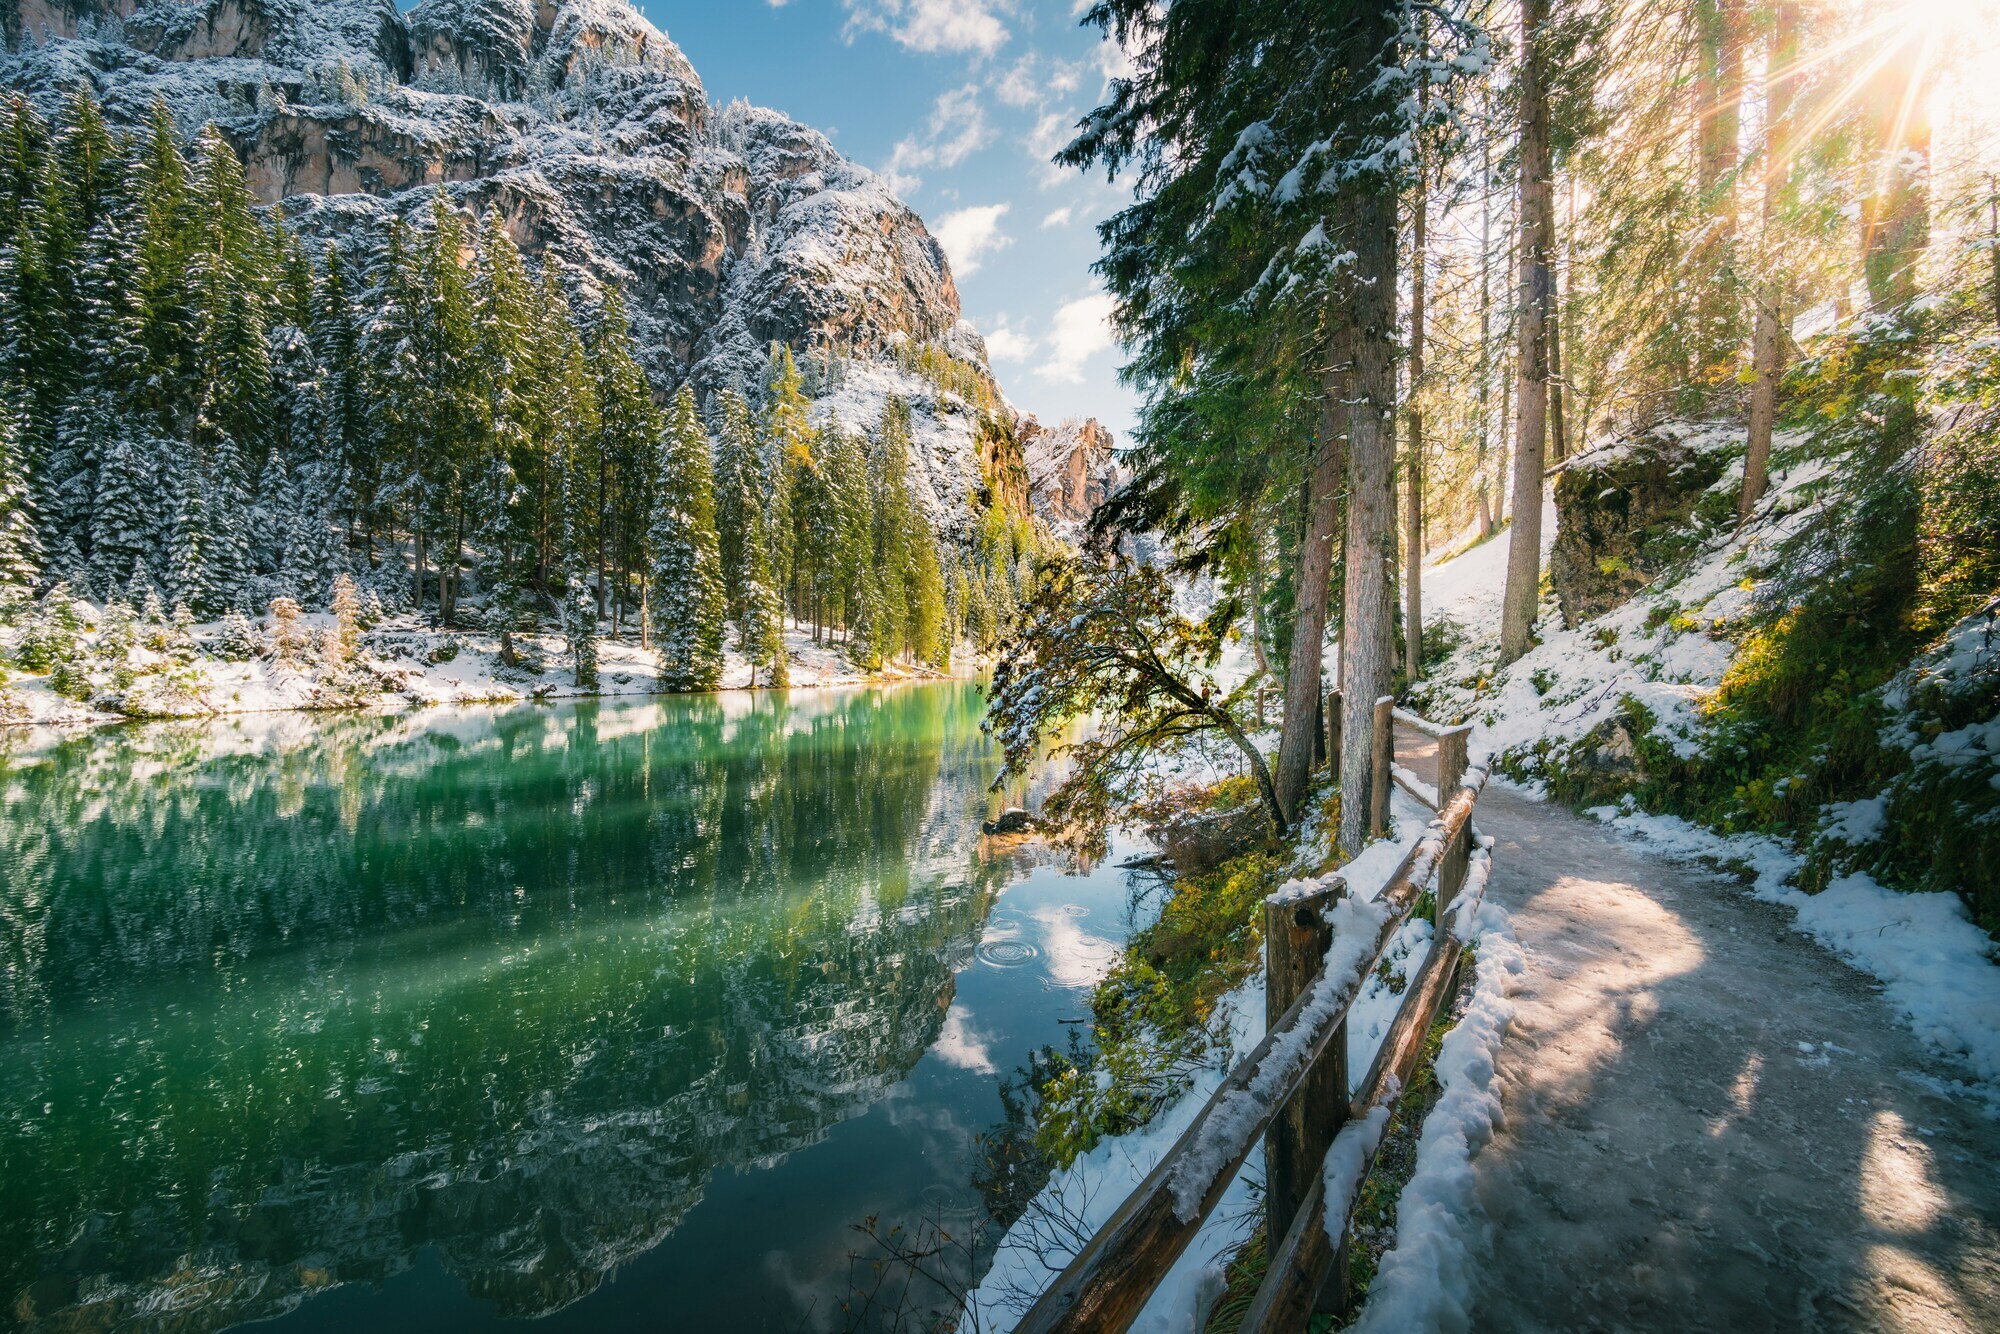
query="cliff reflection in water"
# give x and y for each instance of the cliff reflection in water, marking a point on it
(285, 1001)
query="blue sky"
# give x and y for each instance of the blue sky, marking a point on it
(961, 103)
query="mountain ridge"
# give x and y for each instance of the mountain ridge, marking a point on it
(728, 229)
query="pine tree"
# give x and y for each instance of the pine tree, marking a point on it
(346, 424)
(629, 429)
(123, 529)
(69, 482)
(925, 595)
(191, 537)
(580, 628)
(687, 562)
(272, 518)
(20, 547)
(164, 234)
(738, 498)
(313, 561)
(230, 280)
(787, 450)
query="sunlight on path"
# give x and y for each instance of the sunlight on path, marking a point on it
(1712, 1124)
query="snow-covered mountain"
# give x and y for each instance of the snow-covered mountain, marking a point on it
(589, 131)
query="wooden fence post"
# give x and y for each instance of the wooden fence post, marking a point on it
(1451, 777)
(1451, 763)
(1385, 755)
(1296, 938)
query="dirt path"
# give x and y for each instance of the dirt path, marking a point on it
(1712, 1123)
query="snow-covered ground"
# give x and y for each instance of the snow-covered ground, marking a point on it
(1668, 648)
(398, 667)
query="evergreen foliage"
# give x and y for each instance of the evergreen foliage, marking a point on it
(687, 598)
(204, 410)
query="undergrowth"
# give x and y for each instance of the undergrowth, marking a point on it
(1821, 706)
(1154, 1016)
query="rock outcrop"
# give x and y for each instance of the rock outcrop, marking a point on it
(1072, 469)
(589, 132)
(1628, 509)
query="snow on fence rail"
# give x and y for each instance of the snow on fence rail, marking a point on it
(1292, 1090)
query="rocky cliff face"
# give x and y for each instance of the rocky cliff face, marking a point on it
(1071, 470)
(591, 135)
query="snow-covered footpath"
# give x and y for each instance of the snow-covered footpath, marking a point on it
(1668, 648)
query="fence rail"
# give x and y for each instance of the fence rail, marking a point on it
(1292, 1089)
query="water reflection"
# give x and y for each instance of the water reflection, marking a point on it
(284, 1002)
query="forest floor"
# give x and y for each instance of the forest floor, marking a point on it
(1711, 1123)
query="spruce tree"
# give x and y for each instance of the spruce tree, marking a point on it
(68, 482)
(738, 497)
(124, 528)
(686, 596)
(629, 429)
(788, 450)
(163, 236)
(230, 279)
(20, 548)
(580, 628)
(191, 537)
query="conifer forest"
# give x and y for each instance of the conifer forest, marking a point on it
(1146, 665)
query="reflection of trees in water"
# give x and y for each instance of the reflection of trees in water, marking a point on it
(278, 1014)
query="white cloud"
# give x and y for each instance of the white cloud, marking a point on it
(1081, 329)
(1058, 217)
(1034, 79)
(957, 130)
(970, 234)
(1050, 136)
(960, 1044)
(1005, 344)
(931, 26)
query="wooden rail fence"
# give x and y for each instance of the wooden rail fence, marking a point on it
(1292, 1089)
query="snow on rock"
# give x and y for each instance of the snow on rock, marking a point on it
(1664, 650)
(1072, 469)
(585, 129)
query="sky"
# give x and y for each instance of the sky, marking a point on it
(960, 103)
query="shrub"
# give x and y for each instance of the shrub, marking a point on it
(239, 639)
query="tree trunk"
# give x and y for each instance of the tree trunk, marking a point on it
(1720, 89)
(1767, 341)
(1367, 655)
(1524, 550)
(1480, 460)
(1314, 582)
(1896, 211)
(1558, 425)
(1413, 491)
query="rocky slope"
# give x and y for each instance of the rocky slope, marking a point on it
(591, 134)
(1071, 470)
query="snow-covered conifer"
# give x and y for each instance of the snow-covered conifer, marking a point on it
(687, 598)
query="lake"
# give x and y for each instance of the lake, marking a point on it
(600, 1016)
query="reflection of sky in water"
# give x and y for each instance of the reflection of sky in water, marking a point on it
(450, 1017)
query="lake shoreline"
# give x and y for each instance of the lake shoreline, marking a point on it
(399, 670)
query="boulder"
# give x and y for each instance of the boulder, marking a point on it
(1626, 510)
(1013, 820)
